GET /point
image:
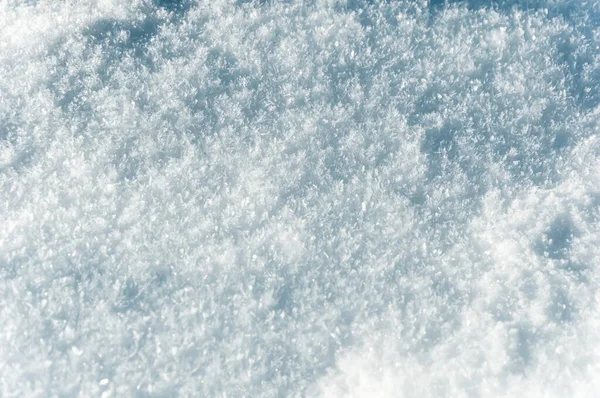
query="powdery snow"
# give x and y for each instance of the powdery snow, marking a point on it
(319, 198)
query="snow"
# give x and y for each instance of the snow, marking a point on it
(322, 198)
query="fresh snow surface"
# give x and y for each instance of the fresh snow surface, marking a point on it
(321, 198)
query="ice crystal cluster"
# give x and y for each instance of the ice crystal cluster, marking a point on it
(320, 198)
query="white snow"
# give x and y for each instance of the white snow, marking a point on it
(320, 198)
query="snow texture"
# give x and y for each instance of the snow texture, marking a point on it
(321, 198)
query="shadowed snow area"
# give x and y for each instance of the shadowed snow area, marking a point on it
(328, 198)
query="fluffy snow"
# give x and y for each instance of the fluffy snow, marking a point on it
(325, 198)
